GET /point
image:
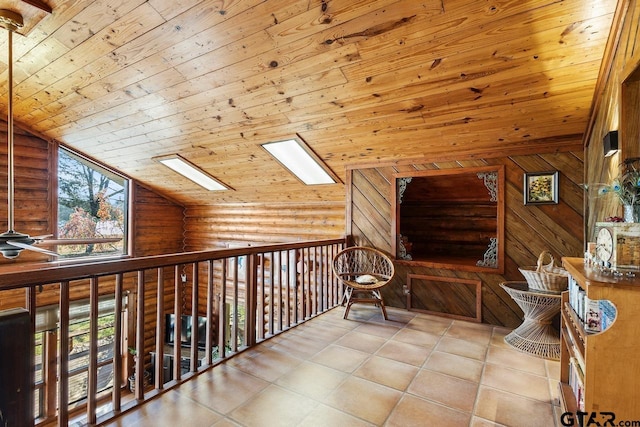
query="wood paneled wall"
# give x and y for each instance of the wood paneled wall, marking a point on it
(529, 229)
(616, 107)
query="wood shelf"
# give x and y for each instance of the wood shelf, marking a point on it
(611, 363)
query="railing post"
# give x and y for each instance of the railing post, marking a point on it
(63, 363)
(210, 324)
(177, 325)
(223, 333)
(117, 345)
(193, 366)
(272, 294)
(92, 374)
(251, 300)
(234, 328)
(139, 364)
(159, 360)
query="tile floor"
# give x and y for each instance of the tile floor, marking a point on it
(411, 370)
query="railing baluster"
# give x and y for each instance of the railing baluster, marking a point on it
(234, 329)
(257, 283)
(310, 283)
(117, 346)
(321, 279)
(287, 278)
(139, 364)
(252, 325)
(92, 374)
(223, 332)
(177, 323)
(63, 363)
(272, 294)
(280, 291)
(160, 327)
(193, 366)
(210, 324)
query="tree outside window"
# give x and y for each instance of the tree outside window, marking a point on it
(92, 203)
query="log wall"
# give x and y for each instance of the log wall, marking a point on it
(228, 225)
(529, 229)
(157, 225)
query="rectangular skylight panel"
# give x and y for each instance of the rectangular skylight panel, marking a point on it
(299, 162)
(193, 173)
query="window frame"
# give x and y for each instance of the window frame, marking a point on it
(55, 203)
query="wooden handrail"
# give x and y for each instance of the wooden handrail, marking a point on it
(33, 274)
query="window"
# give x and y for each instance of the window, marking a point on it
(92, 203)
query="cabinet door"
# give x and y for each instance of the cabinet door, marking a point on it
(16, 370)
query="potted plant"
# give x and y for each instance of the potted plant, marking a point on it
(132, 378)
(626, 187)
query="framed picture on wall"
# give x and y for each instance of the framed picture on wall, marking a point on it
(540, 188)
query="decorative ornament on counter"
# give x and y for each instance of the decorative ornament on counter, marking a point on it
(614, 219)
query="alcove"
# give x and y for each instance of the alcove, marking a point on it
(450, 218)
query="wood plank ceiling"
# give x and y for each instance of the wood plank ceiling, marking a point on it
(359, 80)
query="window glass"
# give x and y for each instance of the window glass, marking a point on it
(92, 203)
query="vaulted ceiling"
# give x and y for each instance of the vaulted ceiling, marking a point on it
(361, 81)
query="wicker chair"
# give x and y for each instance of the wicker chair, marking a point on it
(363, 271)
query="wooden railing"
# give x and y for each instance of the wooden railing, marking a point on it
(243, 295)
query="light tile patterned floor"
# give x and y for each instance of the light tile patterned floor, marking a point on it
(411, 370)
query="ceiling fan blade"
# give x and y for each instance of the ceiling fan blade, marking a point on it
(80, 241)
(31, 247)
(44, 236)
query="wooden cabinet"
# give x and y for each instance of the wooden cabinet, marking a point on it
(610, 360)
(16, 368)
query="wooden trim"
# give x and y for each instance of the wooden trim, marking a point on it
(349, 202)
(478, 290)
(53, 188)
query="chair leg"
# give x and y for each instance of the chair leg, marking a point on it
(346, 296)
(378, 296)
(376, 300)
(346, 310)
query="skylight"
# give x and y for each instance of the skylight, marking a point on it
(300, 161)
(192, 172)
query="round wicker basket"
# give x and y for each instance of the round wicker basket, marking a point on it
(546, 277)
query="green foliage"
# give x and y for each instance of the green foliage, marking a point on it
(91, 203)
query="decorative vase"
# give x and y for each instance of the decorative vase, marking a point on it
(631, 213)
